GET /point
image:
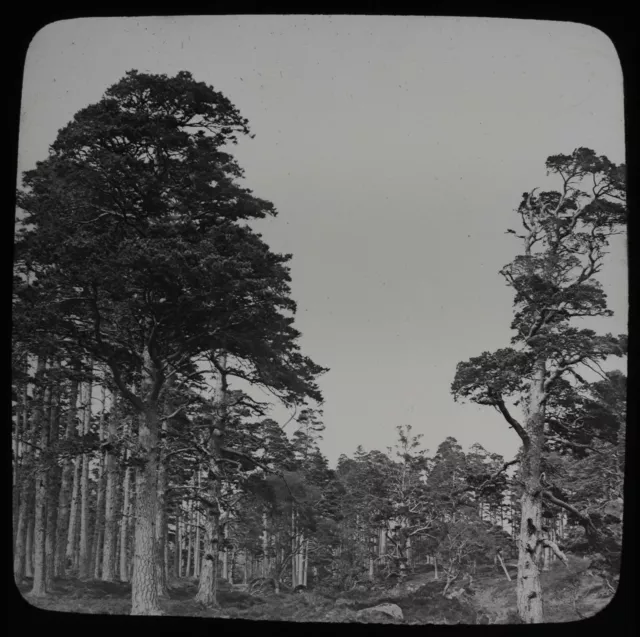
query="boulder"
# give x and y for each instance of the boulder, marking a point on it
(390, 610)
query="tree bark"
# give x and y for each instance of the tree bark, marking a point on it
(188, 530)
(28, 567)
(98, 531)
(110, 514)
(161, 522)
(26, 488)
(504, 568)
(72, 536)
(207, 587)
(306, 564)
(265, 544)
(53, 492)
(124, 523)
(144, 587)
(197, 555)
(528, 590)
(64, 498)
(177, 554)
(225, 555)
(42, 476)
(85, 553)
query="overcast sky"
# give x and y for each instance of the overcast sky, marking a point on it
(395, 150)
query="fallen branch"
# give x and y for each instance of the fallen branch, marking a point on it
(556, 550)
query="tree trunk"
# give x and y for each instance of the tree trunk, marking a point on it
(26, 488)
(225, 555)
(28, 566)
(187, 528)
(161, 524)
(245, 568)
(16, 445)
(72, 536)
(177, 555)
(208, 570)
(528, 590)
(110, 514)
(52, 493)
(546, 558)
(85, 554)
(42, 476)
(306, 564)
(207, 586)
(300, 555)
(294, 538)
(197, 555)
(66, 481)
(265, 544)
(124, 524)
(98, 531)
(20, 551)
(166, 550)
(504, 568)
(144, 587)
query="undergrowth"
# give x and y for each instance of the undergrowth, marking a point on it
(570, 594)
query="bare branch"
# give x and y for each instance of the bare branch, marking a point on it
(520, 430)
(554, 547)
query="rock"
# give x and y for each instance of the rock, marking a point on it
(391, 610)
(345, 602)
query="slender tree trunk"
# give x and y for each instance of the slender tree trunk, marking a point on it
(294, 570)
(166, 550)
(110, 515)
(546, 558)
(28, 567)
(306, 564)
(207, 586)
(26, 487)
(300, 576)
(16, 447)
(504, 568)
(42, 477)
(161, 524)
(225, 555)
(53, 492)
(72, 535)
(177, 555)
(189, 540)
(66, 483)
(98, 531)
(85, 553)
(528, 590)
(198, 554)
(124, 524)
(265, 544)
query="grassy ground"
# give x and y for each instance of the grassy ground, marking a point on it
(570, 594)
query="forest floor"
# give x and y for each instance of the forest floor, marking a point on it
(570, 594)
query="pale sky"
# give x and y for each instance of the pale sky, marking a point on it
(395, 150)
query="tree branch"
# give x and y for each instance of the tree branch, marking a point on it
(584, 520)
(554, 547)
(520, 430)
